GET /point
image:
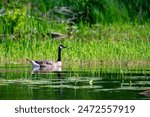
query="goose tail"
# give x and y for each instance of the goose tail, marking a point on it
(34, 64)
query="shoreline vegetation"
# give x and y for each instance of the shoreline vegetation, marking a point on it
(113, 45)
(97, 44)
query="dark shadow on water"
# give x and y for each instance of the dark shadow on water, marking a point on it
(43, 83)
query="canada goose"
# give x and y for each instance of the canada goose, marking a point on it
(45, 63)
(58, 36)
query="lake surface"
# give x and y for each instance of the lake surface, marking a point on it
(41, 84)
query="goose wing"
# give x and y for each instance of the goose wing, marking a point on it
(44, 63)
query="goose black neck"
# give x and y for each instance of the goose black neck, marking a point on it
(59, 54)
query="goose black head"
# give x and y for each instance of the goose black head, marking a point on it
(61, 46)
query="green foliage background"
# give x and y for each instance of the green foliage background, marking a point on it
(15, 13)
(108, 31)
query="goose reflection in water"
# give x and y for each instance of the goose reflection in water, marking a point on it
(48, 70)
(57, 70)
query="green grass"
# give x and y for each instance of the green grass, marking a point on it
(99, 46)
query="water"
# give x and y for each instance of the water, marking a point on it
(24, 83)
